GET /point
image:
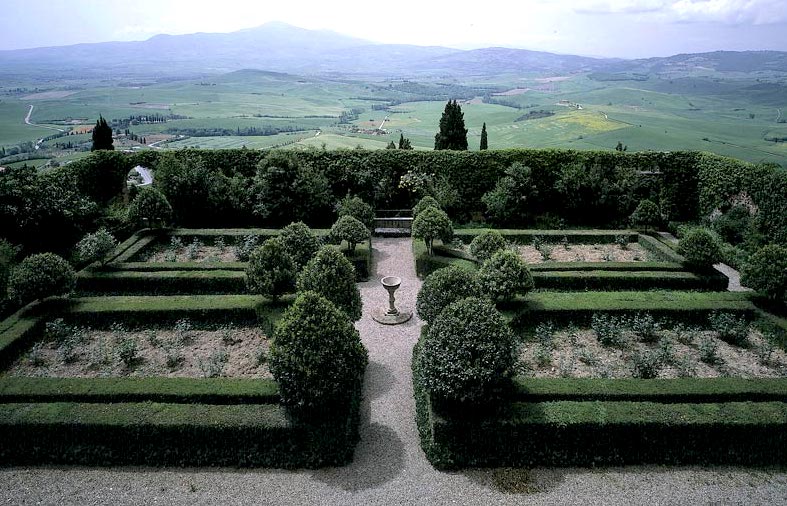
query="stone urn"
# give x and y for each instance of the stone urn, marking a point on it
(391, 316)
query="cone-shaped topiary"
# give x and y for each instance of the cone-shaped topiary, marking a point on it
(351, 230)
(300, 242)
(468, 352)
(431, 224)
(425, 203)
(487, 244)
(316, 355)
(270, 271)
(700, 248)
(443, 287)
(646, 215)
(39, 276)
(331, 275)
(505, 275)
(150, 208)
(766, 272)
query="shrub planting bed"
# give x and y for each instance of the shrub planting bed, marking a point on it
(183, 378)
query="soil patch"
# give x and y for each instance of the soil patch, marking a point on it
(633, 252)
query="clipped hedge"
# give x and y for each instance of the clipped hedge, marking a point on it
(162, 282)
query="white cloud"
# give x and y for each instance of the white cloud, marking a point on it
(755, 12)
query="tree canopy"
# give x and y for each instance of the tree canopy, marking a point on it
(102, 135)
(452, 134)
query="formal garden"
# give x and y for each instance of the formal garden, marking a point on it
(211, 319)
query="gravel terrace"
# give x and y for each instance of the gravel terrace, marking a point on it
(389, 466)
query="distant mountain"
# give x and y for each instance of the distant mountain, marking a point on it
(279, 47)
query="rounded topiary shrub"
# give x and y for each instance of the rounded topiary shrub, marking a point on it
(700, 248)
(300, 242)
(766, 271)
(646, 215)
(467, 353)
(425, 203)
(351, 230)
(39, 276)
(95, 247)
(487, 244)
(270, 270)
(316, 355)
(358, 209)
(331, 275)
(431, 224)
(505, 276)
(443, 287)
(150, 208)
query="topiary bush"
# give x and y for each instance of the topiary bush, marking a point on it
(431, 224)
(505, 276)
(39, 276)
(735, 225)
(766, 272)
(300, 242)
(425, 203)
(95, 247)
(316, 355)
(513, 199)
(443, 287)
(700, 248)
(358, 209)
(468, 352)
(351, 230)
(150, 209)
(271, 270)
(487, 244)
(646, 215)
(331, 275)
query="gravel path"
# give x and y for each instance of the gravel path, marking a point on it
(389, 466)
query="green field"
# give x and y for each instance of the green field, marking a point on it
(717, 113)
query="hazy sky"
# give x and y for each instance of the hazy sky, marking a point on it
(626, 28)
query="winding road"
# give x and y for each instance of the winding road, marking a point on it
(28, 122)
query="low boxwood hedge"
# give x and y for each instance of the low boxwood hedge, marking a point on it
(162, 282)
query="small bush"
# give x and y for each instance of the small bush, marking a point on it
(39, 276)
(95, 247)
(487, 244)
(443, 287)
(316, 355)
(245, 246)
(213, 367)
(735, 225)
(192, 251)
(331, 275)
(608, 329)
(468, 352)
(708, 348)
(300, 242)
(150, 208)
(766, 272)
(431, 224)
(358, 209)
(646, 364)
(542, 355)
(127, 350)
(646, 215)
(351, 230)
(730, 328)
(505, 276)
(425, 203)
(545, 333)
(646, 327)
(700, 248)
(270, 271)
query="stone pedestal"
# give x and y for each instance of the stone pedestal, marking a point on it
(391, 316)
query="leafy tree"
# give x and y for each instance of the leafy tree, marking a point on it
(735, 225)
(596, 194)
(766, 271)
(431, 224)
(484, 142)
(700, 248)
(425, 203)
(404, 143)
(487, 244)
(351, 230)
(505, 275)
(95, 247)
(620, 147)
(196, 192)
(39, 276)
(270, 271)
(331, 275)
(452, 134)
(300, 242)
(443, 287)
(391, 145)
(150, 208)
(512, 199)
(316, 356)
(7, 254)
(771, 219)
(646, 215)
(358, 209)
(468, 352)
(102, 135)
(286, 189)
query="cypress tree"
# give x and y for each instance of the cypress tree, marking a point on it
(484, 143)
(102, 135)
(452, 134)
(404, 143)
